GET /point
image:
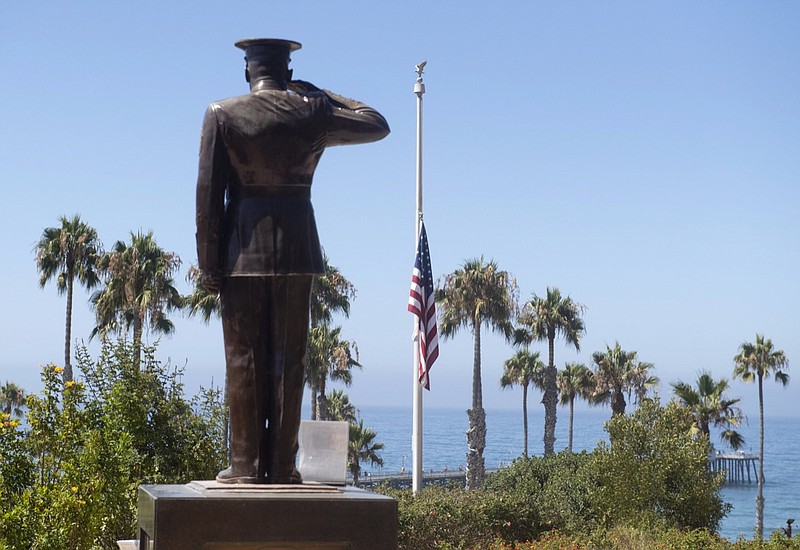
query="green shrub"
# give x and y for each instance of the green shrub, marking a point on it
(652, 477)
(633, 538)
(649, 489)
(175, 440)
(455, 518)
(78, 493)
(554, 489)
(16, 468)
(630, 538)
(552, 540)
(654, 474)
(70, 482)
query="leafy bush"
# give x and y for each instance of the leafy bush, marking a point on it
(631, 538)
(654, 474)
(71, 481)
(552, 540)
(554, 489)
(649, 489)
(78, 493)
(175, 440)
(455, 518)
(16, 469)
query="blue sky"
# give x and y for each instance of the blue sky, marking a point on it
(640, 156)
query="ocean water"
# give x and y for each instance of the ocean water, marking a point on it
(444, 446)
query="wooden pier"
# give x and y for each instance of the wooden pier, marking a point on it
(737, 466)
(403, 480)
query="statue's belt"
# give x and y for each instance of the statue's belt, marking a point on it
(271, 191)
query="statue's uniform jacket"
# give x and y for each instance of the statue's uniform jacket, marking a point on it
(260, 151)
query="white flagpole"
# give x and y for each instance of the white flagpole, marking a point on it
(416, 429)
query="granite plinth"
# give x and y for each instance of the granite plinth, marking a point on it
(207, 515)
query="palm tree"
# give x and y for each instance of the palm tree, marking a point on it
(757, 362)
(340, 408)
(475, 295)
(618, 372)
(331, 293)
(67, 253)
(524, 369)
(642, 381)
(12, 399)
(709, 406)
(139, 289)
(362, 447)
(574, 381)
(200, 301)
(544, 318)
(329, 357)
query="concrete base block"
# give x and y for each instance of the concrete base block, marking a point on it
(206, 515)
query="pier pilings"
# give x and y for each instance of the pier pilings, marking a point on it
(737, 466)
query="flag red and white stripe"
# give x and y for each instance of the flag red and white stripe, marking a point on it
(422, 304)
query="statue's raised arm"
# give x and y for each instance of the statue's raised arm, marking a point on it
(351, 121)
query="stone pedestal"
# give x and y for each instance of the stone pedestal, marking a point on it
(205, 515)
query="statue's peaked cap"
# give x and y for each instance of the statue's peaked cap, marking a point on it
(256, 46)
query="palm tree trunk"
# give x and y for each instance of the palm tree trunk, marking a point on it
(760, 496)
(550, 399)
(68, 331)
(477, 389)
(137, 340)
(476, 441)
(525, 419)
(476, 434)
(322, 401)
(355, 468)
(571, 418)
(618, 403)
(313, 401)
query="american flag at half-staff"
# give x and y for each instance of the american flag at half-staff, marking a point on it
(422, 304)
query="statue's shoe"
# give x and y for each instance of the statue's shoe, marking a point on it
(228, 475)
(294, 479)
